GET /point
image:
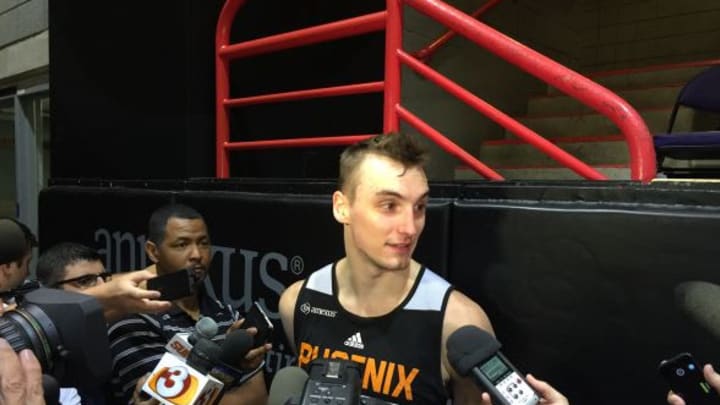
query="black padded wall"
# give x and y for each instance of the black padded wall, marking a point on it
(577, 279)
(582, 294)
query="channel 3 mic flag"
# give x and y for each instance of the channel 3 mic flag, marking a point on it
(175, 382)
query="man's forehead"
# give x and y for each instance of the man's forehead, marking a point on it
(177, 226)
(380, 175)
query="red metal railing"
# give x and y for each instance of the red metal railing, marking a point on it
(225, 52)
(426, 53)
(641, 151)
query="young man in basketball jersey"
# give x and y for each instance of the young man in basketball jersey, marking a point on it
(377, 306)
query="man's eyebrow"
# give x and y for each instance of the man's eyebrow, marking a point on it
(391, 193)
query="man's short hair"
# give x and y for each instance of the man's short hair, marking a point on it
(396, 146)
(16, 240)
(52, 263)
(160, 217)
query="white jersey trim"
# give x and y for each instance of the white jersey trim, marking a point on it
(321, 280)
(429, 294)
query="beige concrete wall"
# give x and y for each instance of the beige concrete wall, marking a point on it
(629, 33)
(23, 38)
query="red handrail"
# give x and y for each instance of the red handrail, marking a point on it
(426, 53)
(632, 126)
(625, 117)
(225, 52)
(446, 144)
(360, 88)
(504, 120)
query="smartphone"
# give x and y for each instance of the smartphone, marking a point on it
(173, 286)
(686, 380)
(258, 318)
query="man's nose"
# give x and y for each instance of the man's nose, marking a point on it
(407, 224)
(194, 251)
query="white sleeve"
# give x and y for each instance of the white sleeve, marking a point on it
(69, 396)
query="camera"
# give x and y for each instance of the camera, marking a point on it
(66, 331)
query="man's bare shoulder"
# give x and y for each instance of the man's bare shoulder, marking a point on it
(461, 311)
(289, 297)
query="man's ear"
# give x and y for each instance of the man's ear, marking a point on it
(151, 250)
(341, 206)
(4, 275)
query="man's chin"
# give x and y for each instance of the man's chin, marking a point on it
(198, 277)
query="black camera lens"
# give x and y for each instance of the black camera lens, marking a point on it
(29, 327)
(65, 330)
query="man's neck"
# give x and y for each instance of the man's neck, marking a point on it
(368, 291)
(190, 305)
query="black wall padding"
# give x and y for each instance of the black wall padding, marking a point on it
(577, 278)
(581, 294)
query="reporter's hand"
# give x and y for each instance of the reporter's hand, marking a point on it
(548, 394)
(123, 295)
(20, 377)
(711, 376)
(256, 355)
(141, 398)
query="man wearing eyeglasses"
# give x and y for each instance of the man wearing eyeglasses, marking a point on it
(71, 266)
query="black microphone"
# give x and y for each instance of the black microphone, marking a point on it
(472, 351)
(287, 386)
(204, 355)
(700, 300)
(51, 390)
(228, 367)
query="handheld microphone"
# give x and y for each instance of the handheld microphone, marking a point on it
(204, 355)
(174, 382)
(182, 379)
(472, 351)
(287, 386)
(228, 369)
(205, 327)
(332, 381)
(182, 343)
(700, 300)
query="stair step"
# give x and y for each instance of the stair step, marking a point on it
(639, 98)
(644, 79)
(603, 150)
(545, 173)
(597, 124)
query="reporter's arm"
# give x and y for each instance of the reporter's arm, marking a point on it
(252, 392)
(123, 295)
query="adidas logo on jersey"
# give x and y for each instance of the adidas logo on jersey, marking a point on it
(355, 341)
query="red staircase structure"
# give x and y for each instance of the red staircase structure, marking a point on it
(633, 128)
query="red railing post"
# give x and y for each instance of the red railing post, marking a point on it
(222, 86)
(393, 42)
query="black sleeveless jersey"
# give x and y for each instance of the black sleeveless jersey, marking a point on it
(399, 352)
